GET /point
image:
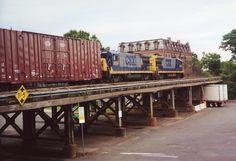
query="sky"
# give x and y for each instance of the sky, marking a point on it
(202, 23)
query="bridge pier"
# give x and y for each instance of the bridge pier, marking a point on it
(135, 103)
(198, 94)
(112, 109)
(29, 129)
(168, 103)
(148, 103)
(70, 148)
(54, 115)
(184, 99)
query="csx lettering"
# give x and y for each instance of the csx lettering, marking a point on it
(130, 60)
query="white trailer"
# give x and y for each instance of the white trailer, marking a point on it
(215, 94)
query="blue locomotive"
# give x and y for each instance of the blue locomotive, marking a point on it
(118, 66)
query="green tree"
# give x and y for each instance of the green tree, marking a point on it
(211, 62)
(229, 43)
(227, 68)
(107, 48)
(78, 34)
(81, 35)
(196, 65)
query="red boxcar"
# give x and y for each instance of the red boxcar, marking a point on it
(27, 57)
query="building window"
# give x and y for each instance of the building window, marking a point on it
(156, 43)
(131, 47)
(138, 45)
(161, 44)
(122, 48)
(174, 46)
(167, 45)
(147, 45)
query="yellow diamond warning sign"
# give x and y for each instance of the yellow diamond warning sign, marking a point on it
(22, 94)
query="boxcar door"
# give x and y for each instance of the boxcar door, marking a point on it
(62, 59)
(48, 58)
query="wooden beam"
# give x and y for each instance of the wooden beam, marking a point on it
(73, 100)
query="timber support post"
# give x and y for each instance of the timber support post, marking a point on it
(173, 111)
(28, 128)
(54, 115)
(190, 106)
(168, 103)
(202, 94)
(148, 103)
(70, 147)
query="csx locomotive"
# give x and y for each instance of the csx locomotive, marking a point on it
(126, 66)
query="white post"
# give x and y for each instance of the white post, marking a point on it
(173, 98)
(151, 104)
(119, 112)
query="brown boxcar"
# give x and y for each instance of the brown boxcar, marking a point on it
(27, 57)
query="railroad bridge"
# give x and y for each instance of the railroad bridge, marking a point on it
(113, 101)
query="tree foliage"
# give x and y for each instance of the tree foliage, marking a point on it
(196, 65)
(107, 48)
(228, 74)
(211, 62)
(229, 43)
(81, 35)
(78, 34)
(227, 69)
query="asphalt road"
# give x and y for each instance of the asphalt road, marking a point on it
(209, 135)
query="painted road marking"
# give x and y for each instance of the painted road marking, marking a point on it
(160, 155)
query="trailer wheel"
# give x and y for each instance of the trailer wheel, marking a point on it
(219, 104)
(208, 104)
(214, 104)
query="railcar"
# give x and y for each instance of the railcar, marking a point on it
(28, 57)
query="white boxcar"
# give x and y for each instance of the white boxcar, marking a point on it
(215, 94)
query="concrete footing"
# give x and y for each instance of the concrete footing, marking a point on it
(70, 150)
(190, 108)
(121, 132)
(172, 113)
(152, 121)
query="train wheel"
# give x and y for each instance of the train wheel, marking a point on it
(146, 77)
(179, 76)
(115, 78)
(208, 104)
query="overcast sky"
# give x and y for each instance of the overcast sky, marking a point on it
(202, 23)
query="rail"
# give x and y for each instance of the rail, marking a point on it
(7, 99)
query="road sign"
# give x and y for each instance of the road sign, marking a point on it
(22, 94)
(81, 115)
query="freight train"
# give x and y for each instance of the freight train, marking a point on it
(34, 58)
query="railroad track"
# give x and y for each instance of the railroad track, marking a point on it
(8, 98)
